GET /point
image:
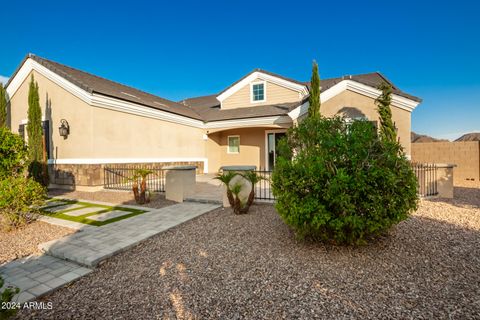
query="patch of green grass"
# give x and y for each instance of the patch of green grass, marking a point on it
(84, 218)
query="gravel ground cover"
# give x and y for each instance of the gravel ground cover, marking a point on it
(24, 241)
(251, 266)
(114, 197)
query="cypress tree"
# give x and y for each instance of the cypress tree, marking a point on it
(35, 133)
(314, 100)
(3, 106)
(387, 129)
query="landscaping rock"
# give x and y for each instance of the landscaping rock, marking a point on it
(226, 266)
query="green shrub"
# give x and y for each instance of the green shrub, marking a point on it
(340, 183)
(13, 153)
(20, 199)
(5, 297)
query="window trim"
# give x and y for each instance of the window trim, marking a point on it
(228, 144)
(264, 91)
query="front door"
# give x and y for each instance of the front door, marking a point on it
(272, 142)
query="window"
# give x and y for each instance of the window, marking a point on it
(258, 92)
(233, 144)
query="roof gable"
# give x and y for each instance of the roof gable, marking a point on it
(93, 84)
(259, 74)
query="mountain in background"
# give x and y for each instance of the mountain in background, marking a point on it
(474, 136)
(418, 138)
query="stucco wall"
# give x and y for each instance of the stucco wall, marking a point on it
(274, 94)
(464, 154)
(63, 105)
(97, 133)
(252, 148)
(366, 105)
(122, 135)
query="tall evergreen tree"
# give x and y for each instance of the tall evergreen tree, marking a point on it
(35, 133)
(387, 129)
(314, 100)
(3, 106)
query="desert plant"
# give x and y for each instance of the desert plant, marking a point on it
(139, 185)
(233, 191)
(341, 183)
(20, 199)
(226, 177)
(253, 178)
(6, 296)
(314, 99)
(13, 153)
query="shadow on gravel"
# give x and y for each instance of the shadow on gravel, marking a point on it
(251, 266)
(463, 197)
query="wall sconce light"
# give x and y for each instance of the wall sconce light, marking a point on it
(64, 129)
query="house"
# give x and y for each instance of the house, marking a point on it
(110, 123)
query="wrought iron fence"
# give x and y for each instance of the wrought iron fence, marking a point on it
(263, 189)
(427, 178)
(119, 177)
(426, 175)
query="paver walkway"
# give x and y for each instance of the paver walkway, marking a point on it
(38, 275)
(93, 245)
(207, 190)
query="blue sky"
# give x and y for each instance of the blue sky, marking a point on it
(430, 49)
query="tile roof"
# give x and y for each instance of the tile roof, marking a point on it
(95, 84)
(373, 79)
(204, 108)
(210, 105)
(214, 113)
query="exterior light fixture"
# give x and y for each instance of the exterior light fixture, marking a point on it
(64, 128)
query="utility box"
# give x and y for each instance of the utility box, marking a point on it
(179, 182)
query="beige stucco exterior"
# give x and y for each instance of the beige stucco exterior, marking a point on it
(63, 105)
(252, 148)
(274, 93)
(366, 105)
(120, 135)
(97, 133)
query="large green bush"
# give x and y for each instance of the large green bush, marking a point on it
(340, 183)
(20, 199)
(20, 196)
(13, 153)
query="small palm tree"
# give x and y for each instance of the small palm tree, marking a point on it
(234, 191)
(140, 178)
(226, 178)
(253, 178)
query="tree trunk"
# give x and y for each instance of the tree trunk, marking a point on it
(135, 192)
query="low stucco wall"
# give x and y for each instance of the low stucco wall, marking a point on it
(464, 154)
(445, 180)
(73, 176)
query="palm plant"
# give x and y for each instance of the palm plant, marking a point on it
(226, 177)
(233, 192)
(253, 178)
(140, 178)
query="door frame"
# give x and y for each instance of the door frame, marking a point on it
(267, 166)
